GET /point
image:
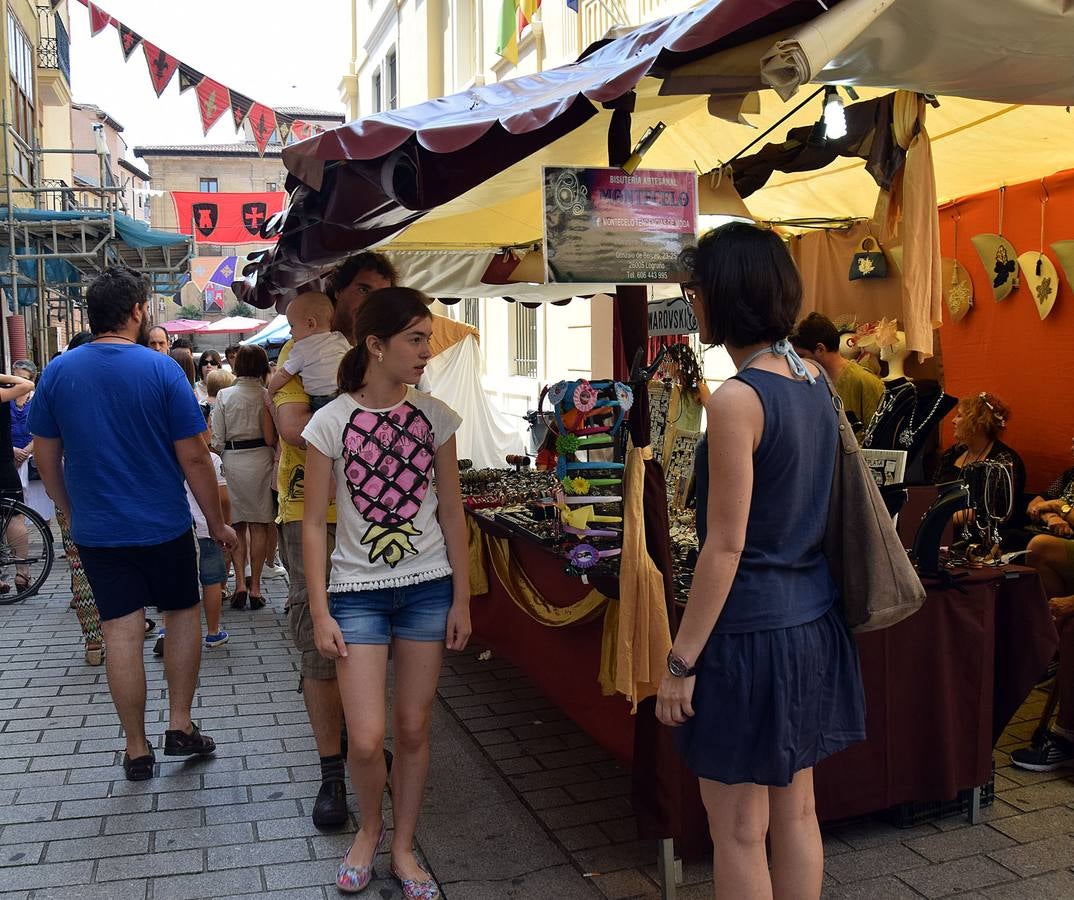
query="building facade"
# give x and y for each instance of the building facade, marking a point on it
(217, 168)
(92, 129)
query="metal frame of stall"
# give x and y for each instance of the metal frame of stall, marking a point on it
(89, 244)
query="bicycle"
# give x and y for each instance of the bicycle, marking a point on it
(35, 562)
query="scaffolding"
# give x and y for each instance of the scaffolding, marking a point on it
(47, 220)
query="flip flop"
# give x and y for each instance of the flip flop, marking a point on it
(238, 600)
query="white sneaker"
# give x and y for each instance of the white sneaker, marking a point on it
(274, 571)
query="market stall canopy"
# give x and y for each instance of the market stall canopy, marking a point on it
(464, 171)
(276, 331)
(183, 326)
(232, 325)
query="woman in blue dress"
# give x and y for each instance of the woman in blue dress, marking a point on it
(763, 680)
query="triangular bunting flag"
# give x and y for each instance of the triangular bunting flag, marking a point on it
(188, 78)
(99, 19)
(301, 130)
(162, 66)
(240, 108)
(263, 124)
(283, 125)
(128, 40)
(212, 101)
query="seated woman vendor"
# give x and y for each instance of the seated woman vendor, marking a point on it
(978, 422)
(1051, 552)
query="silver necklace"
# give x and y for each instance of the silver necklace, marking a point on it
(887, 403)
(907, 435)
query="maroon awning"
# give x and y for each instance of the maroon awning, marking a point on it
(359, 184)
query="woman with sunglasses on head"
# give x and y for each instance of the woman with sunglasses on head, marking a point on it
(763, 680)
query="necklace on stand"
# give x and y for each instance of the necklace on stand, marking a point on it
(907, 435)
(889, 401)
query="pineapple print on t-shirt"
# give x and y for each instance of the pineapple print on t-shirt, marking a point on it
(387, 457)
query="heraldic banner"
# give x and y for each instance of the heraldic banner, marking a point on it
(215, 218)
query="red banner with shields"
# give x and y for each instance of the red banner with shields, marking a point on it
(231, 219)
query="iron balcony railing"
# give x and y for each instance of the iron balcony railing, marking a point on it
(55, 52)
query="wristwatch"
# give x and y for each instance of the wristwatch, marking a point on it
(677, 666)
(1064, 510)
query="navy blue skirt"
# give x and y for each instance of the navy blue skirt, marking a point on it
(768, 704)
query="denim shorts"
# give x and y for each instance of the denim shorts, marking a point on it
(417, 612)
(212, 569)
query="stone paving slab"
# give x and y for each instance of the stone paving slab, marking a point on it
(520, 803)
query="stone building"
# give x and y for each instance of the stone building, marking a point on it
(218, 168)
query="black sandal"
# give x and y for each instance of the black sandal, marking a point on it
(238, 600)
(140, 768)
(256, 602)
(179, 743)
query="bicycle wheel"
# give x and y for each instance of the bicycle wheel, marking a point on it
(25, 561)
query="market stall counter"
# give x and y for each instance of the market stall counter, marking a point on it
(940, 686)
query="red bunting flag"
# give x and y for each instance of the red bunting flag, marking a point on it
(262, 123)
(240, 108)
(162, 66)
(226, 218)
(128, 41)
(303, 130)
(213, 102)
(99, 19)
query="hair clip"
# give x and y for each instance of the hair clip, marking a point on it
(571, 443)
(581, 517)
(592, 500)
(579, 486)
(563, 467)
(586, 556)
(592, 532)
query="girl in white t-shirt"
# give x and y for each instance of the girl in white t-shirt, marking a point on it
(400, 568)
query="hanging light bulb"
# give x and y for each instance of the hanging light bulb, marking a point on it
(835, 119)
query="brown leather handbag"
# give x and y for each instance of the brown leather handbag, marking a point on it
(876, 580)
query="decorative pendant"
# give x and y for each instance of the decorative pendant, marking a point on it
(905, 437)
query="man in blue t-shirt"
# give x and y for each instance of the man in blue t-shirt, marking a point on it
(116, 430)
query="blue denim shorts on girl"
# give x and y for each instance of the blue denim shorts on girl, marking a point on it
(417, 612)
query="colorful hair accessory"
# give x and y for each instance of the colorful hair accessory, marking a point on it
(624, 395)
(557, 392)
(563, 467)
(581, 517)
(592, 532)
(572, 443)
(586, 556)
(591, 499)
(576, 486)
(585, 396)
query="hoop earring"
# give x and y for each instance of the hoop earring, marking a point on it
(380, 356)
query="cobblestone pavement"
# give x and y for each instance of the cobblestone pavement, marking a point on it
(520, 804)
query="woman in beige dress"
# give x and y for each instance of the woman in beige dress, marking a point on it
(244, 435)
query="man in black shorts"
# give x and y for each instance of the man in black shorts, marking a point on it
(114, 422)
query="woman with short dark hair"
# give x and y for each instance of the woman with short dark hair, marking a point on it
(209, 361)
(243, 434)
(763, 679)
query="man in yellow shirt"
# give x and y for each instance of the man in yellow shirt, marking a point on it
(816, 338)
(350, 284)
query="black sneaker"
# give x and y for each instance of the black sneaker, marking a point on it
(330, 808)
(1054, 752)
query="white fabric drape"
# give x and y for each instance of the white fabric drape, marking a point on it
(486, 435)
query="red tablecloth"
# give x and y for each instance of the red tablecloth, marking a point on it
(940, 686)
